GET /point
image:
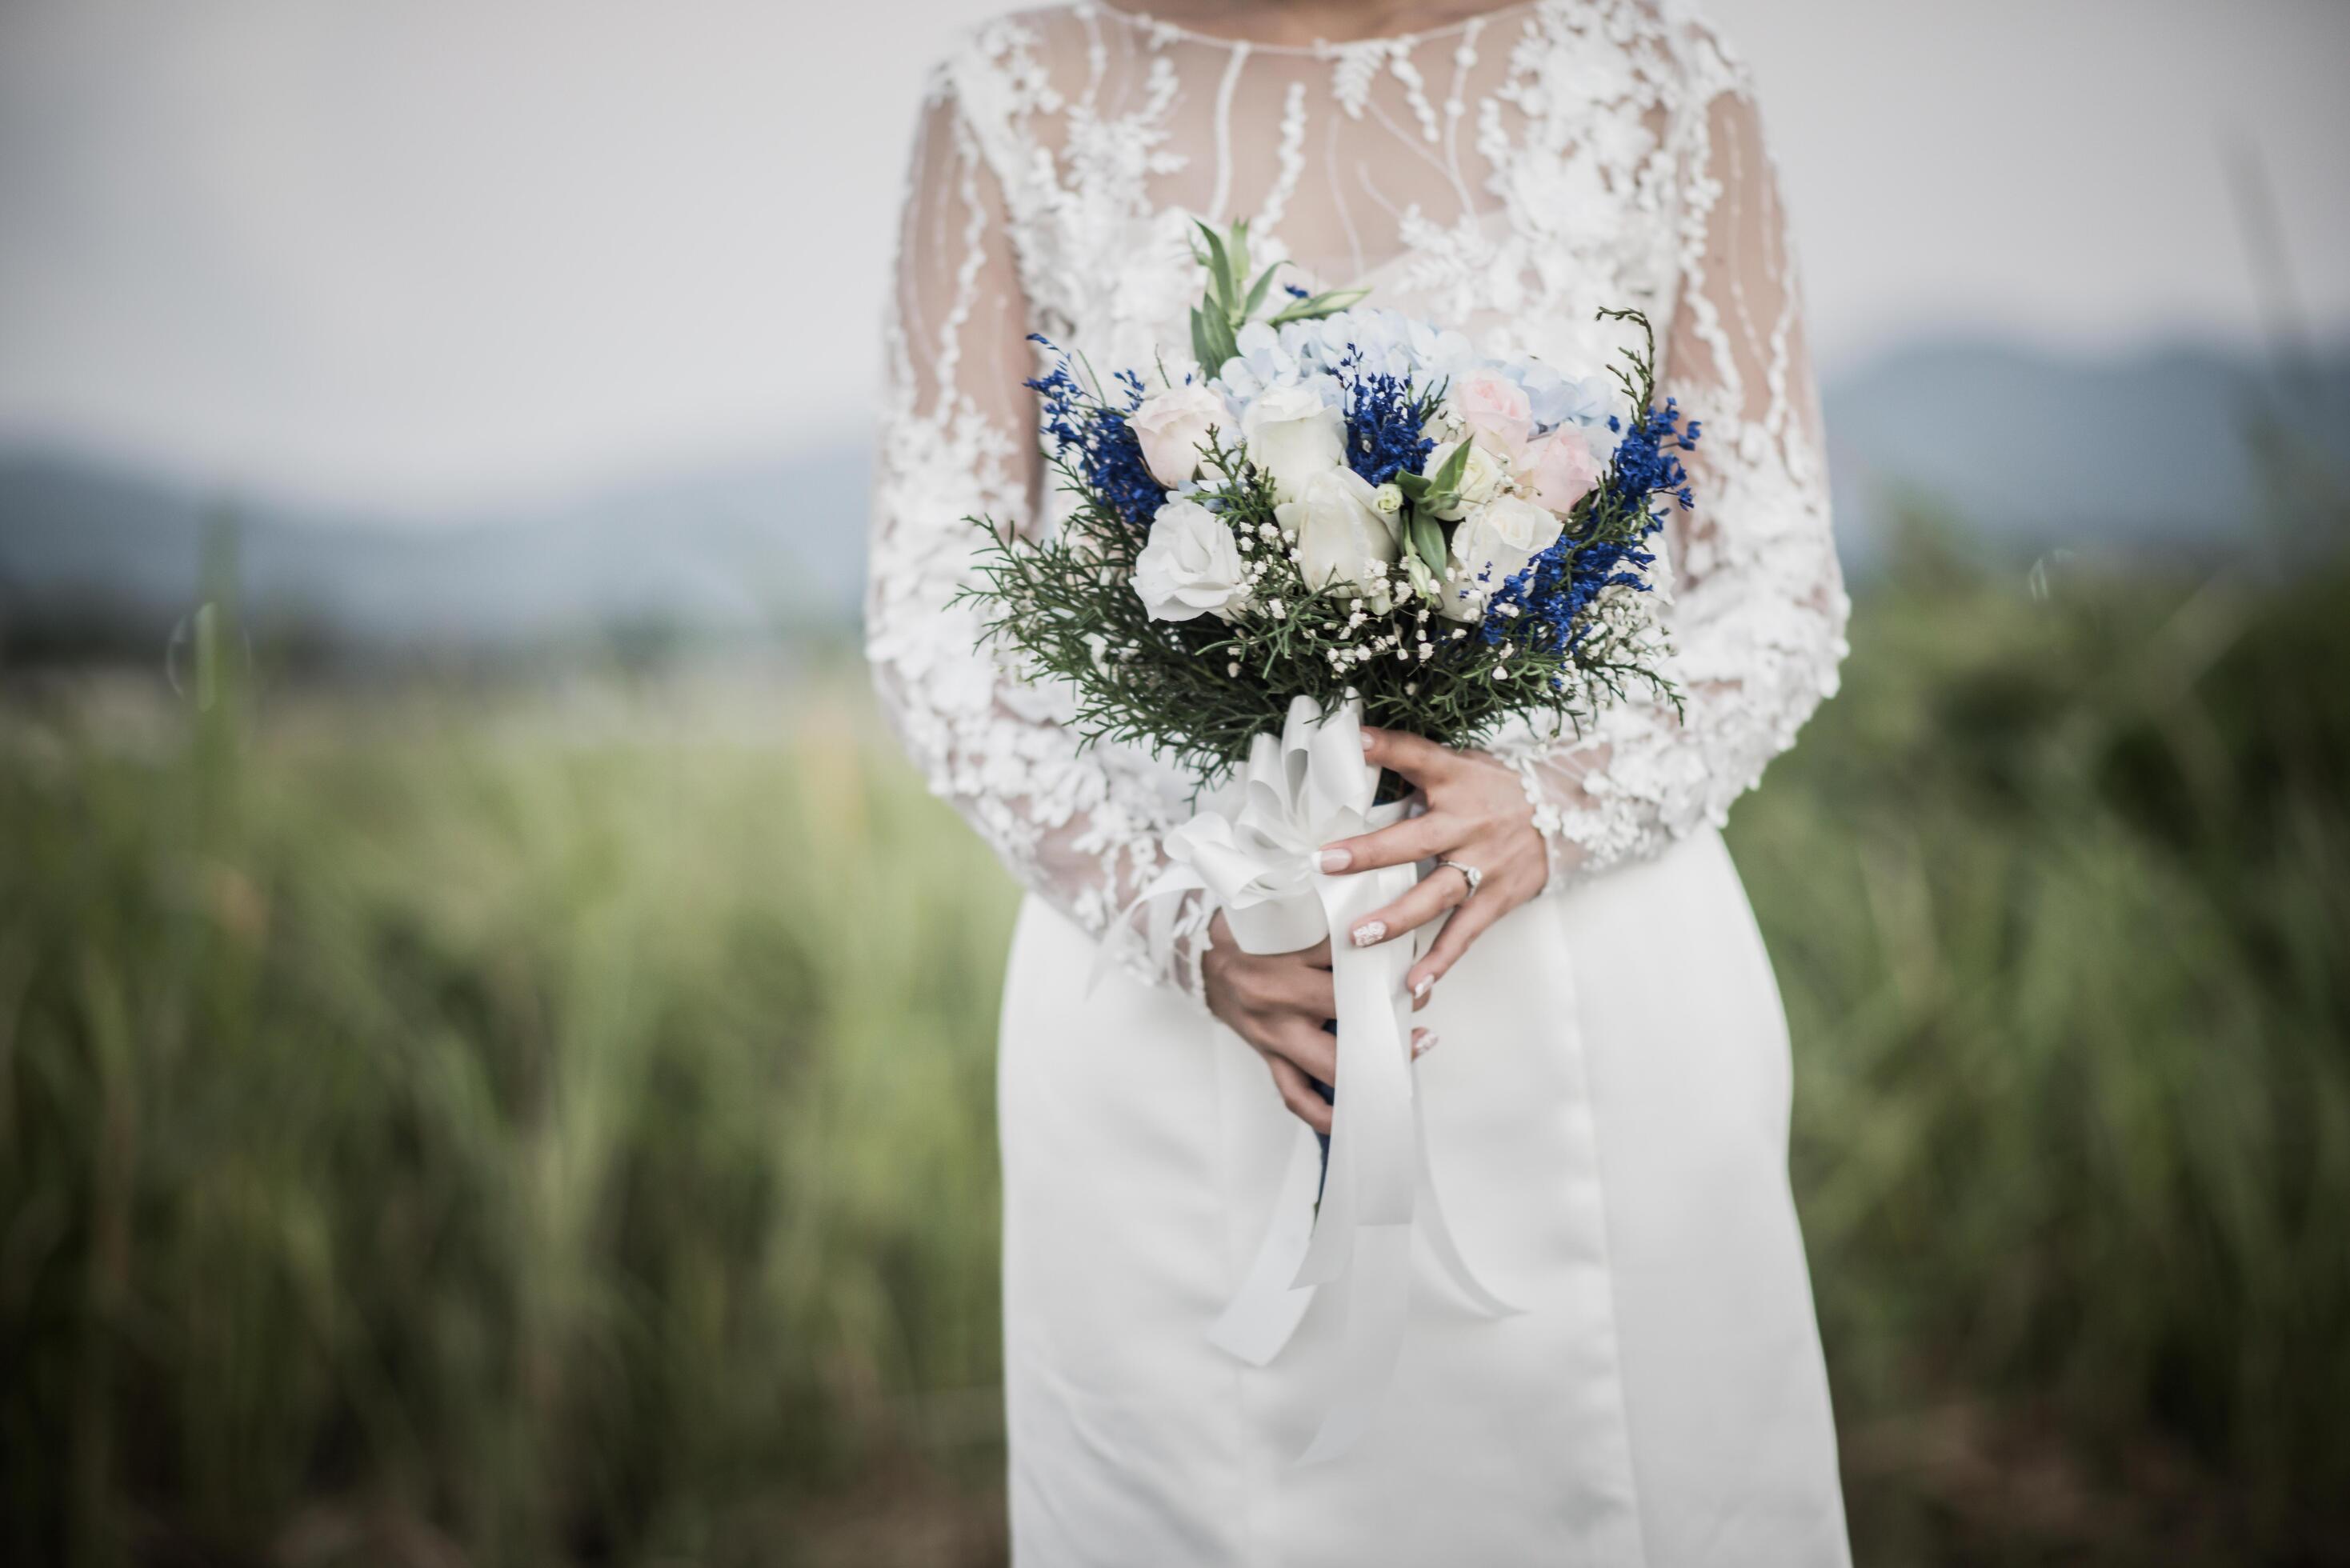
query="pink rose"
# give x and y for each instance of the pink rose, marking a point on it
(1559, 471)
(1495, 408)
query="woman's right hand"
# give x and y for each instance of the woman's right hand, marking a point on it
(1278, 1002)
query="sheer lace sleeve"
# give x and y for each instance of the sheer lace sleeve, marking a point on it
(1758, 608)
(958, 441)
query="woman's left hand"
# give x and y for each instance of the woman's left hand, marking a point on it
(1477, 815)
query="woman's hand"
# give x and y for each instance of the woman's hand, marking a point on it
(1278, 1003)
(1477, 815)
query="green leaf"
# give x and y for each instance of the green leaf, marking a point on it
(1450, 472)
(1221, 287)
(1427, 541)
(1325, 304)
(1212, 340)
(1413, 484)
(1236, 247)
(1257, 291)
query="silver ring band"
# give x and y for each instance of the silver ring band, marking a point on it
(1474, 877)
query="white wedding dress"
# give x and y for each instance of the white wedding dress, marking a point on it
(1607, 1119)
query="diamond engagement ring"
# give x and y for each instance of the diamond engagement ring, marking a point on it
(1467, 870)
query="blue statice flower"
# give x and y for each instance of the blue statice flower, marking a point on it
(1648, 460)
(1540, 608)
(1094, 439)
(1384, 419)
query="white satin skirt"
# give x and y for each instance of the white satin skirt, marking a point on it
(1606, 1122)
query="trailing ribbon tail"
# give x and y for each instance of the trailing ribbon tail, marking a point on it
(1257, 853)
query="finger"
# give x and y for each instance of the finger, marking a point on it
(1298, 1094)
(1415, 757)
(1417, 838)
(1307, 1046)
(1429, 898)
(1423, 1040)
(1468, 923)
(1314, 992)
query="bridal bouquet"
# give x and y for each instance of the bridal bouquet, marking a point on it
(1340, 515)
(1342, 504)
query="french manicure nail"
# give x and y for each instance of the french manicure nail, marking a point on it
(1367, 743)
(1426, 983)
(1334, 860)
(1370, 932)
(1423, 1045)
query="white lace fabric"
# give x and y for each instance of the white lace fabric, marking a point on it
(1509, 175)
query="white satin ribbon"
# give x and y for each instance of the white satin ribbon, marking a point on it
(1257, 851)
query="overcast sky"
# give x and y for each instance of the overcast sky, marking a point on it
(446, 253)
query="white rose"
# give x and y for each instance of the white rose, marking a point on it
(1173, 426)
(1491, 547)
(1342, 537)
(1292, 437)
(1189, 566)
(1480, 481)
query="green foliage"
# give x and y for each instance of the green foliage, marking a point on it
(487, 1126)
(538, 1131)
(1231, 303)
(2058, 894)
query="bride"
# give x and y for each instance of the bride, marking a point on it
(1608, 1118)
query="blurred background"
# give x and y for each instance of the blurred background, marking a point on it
(496, 1047)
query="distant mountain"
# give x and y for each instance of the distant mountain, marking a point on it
(2153, 451)
(2030, 452)
(743, 551)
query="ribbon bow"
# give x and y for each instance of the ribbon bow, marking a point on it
(1258, 852)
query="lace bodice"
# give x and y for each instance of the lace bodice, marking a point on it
(1508, 176)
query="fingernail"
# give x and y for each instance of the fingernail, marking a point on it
(1334, 860)
(1422, 1046)
(1370, 932)
(1367, 743)
(1422, 986)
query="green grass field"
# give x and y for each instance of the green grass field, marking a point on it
(500, 1126)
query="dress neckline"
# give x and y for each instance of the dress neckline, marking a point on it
(1320, 47)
